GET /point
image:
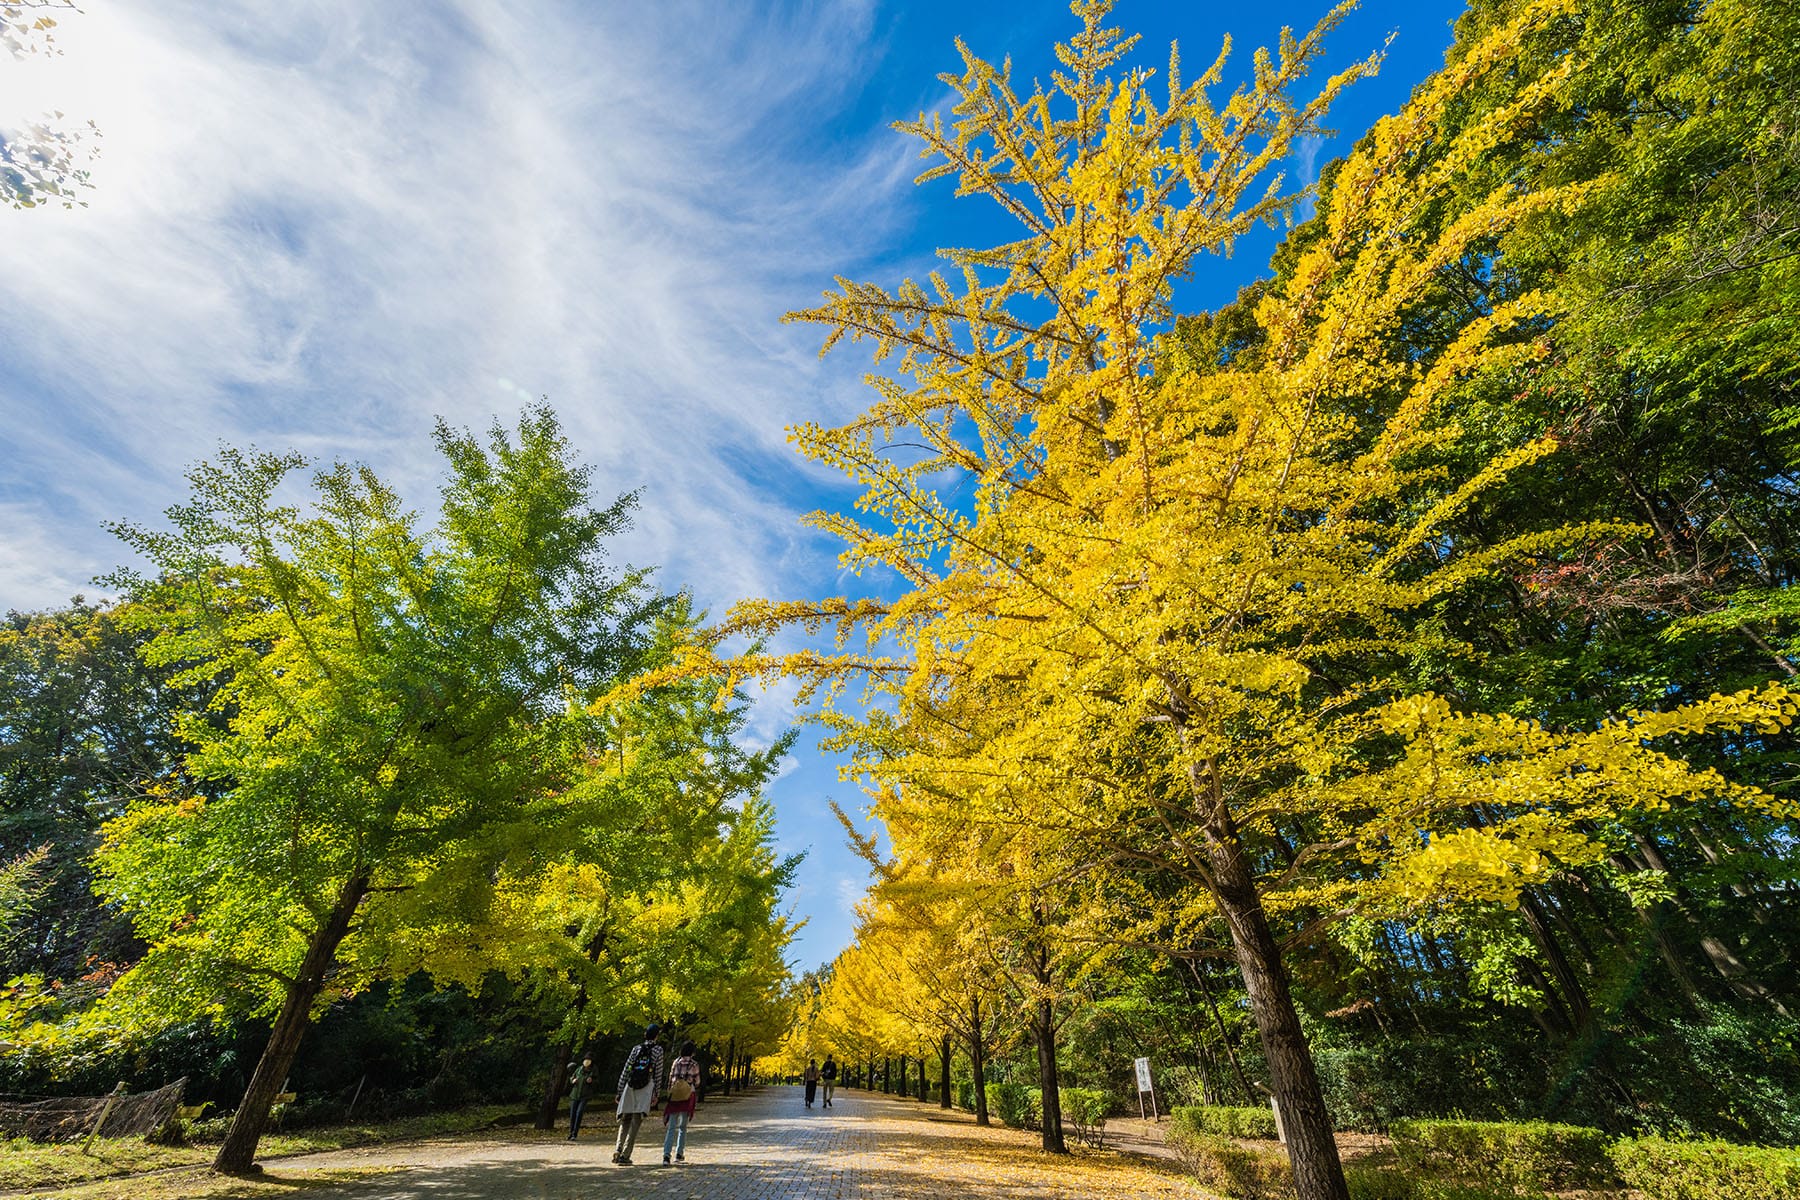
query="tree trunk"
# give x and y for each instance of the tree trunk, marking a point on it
(978, 1059)
(1237, 1068)
(238, 1153)
(887, 1074)
(1043, 1032)
(944, 1051)
(1312, 1150)
(730, 1063)
(903, 1076)
(1580, 1011)
(559, 1080)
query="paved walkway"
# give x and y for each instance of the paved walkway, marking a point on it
(765, 1146)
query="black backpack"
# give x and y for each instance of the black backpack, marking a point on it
(641, 1062)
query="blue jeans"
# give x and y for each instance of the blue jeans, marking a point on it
(677, 1134)
(576, 1107)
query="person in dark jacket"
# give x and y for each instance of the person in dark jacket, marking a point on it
(828, 1076)
(639, 1082)
(581, 1078)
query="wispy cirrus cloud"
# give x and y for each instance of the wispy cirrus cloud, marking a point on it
(319, 227)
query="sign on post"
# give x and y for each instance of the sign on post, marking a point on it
(1144, 1085)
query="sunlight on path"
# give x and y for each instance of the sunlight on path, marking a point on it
(763, 1147)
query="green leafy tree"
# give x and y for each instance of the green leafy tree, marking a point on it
(400, 710)
(83, 724)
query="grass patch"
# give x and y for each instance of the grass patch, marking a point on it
(25, 1164)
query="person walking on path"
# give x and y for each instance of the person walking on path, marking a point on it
(811, 1078)
(638, 1083)
(581, 1077)
(684, 1098)
(828, 1076)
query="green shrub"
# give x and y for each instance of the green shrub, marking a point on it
(1085, 1109)
(1389, 1181)
(1670, 1170)
(1014, 1103)
(1221, 1165)
(1523, 1154)
(1227, 1121)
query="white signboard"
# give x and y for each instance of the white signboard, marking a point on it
(1144, 1085)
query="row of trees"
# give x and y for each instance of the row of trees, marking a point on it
(318, 748)
(1411, 638)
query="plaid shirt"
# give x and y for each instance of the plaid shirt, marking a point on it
(656, 1068)
(686, 1068)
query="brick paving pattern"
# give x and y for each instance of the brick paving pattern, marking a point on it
(765, 1146)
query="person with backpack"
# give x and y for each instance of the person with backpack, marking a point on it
(684, 1098)
(581, 1078)
(638, 1083)
(828, 1076)
(811, 1079)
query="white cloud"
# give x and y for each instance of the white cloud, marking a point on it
(317, 227)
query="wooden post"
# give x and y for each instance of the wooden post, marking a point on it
(357, 1095)
(105, 1112)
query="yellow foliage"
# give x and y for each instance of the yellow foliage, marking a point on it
(1171, 601)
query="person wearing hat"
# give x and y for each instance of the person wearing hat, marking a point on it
(638, 1084)
(581, 1078)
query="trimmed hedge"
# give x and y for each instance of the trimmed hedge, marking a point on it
(1223, 1166)
(1522, 1154)
(1389, 1182)
(1670, 1170)
(1227, 1121)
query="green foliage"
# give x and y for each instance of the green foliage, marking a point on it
(396, 703)
(1223, 1166)
(1371, 1081)
(1226, 1121)
(84, 723)
(1530, 1154)
(1015, 1104)
(1086, 1109)
(1674, 1170)
(1388, 1181)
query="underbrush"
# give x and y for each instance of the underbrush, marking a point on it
(1494, 1160)
(26, 1164)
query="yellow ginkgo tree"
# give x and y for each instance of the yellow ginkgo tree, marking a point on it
(1165, 602)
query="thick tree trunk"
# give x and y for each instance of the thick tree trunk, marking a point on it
(559, 1081)
(1043, 1032)
(978, 1061)
(887, 1075)
(730, 1063)
(944, 1051)
(1312, 1150)
(903, 1076)
(238, 1153)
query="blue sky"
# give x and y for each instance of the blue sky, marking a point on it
(317, 226)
